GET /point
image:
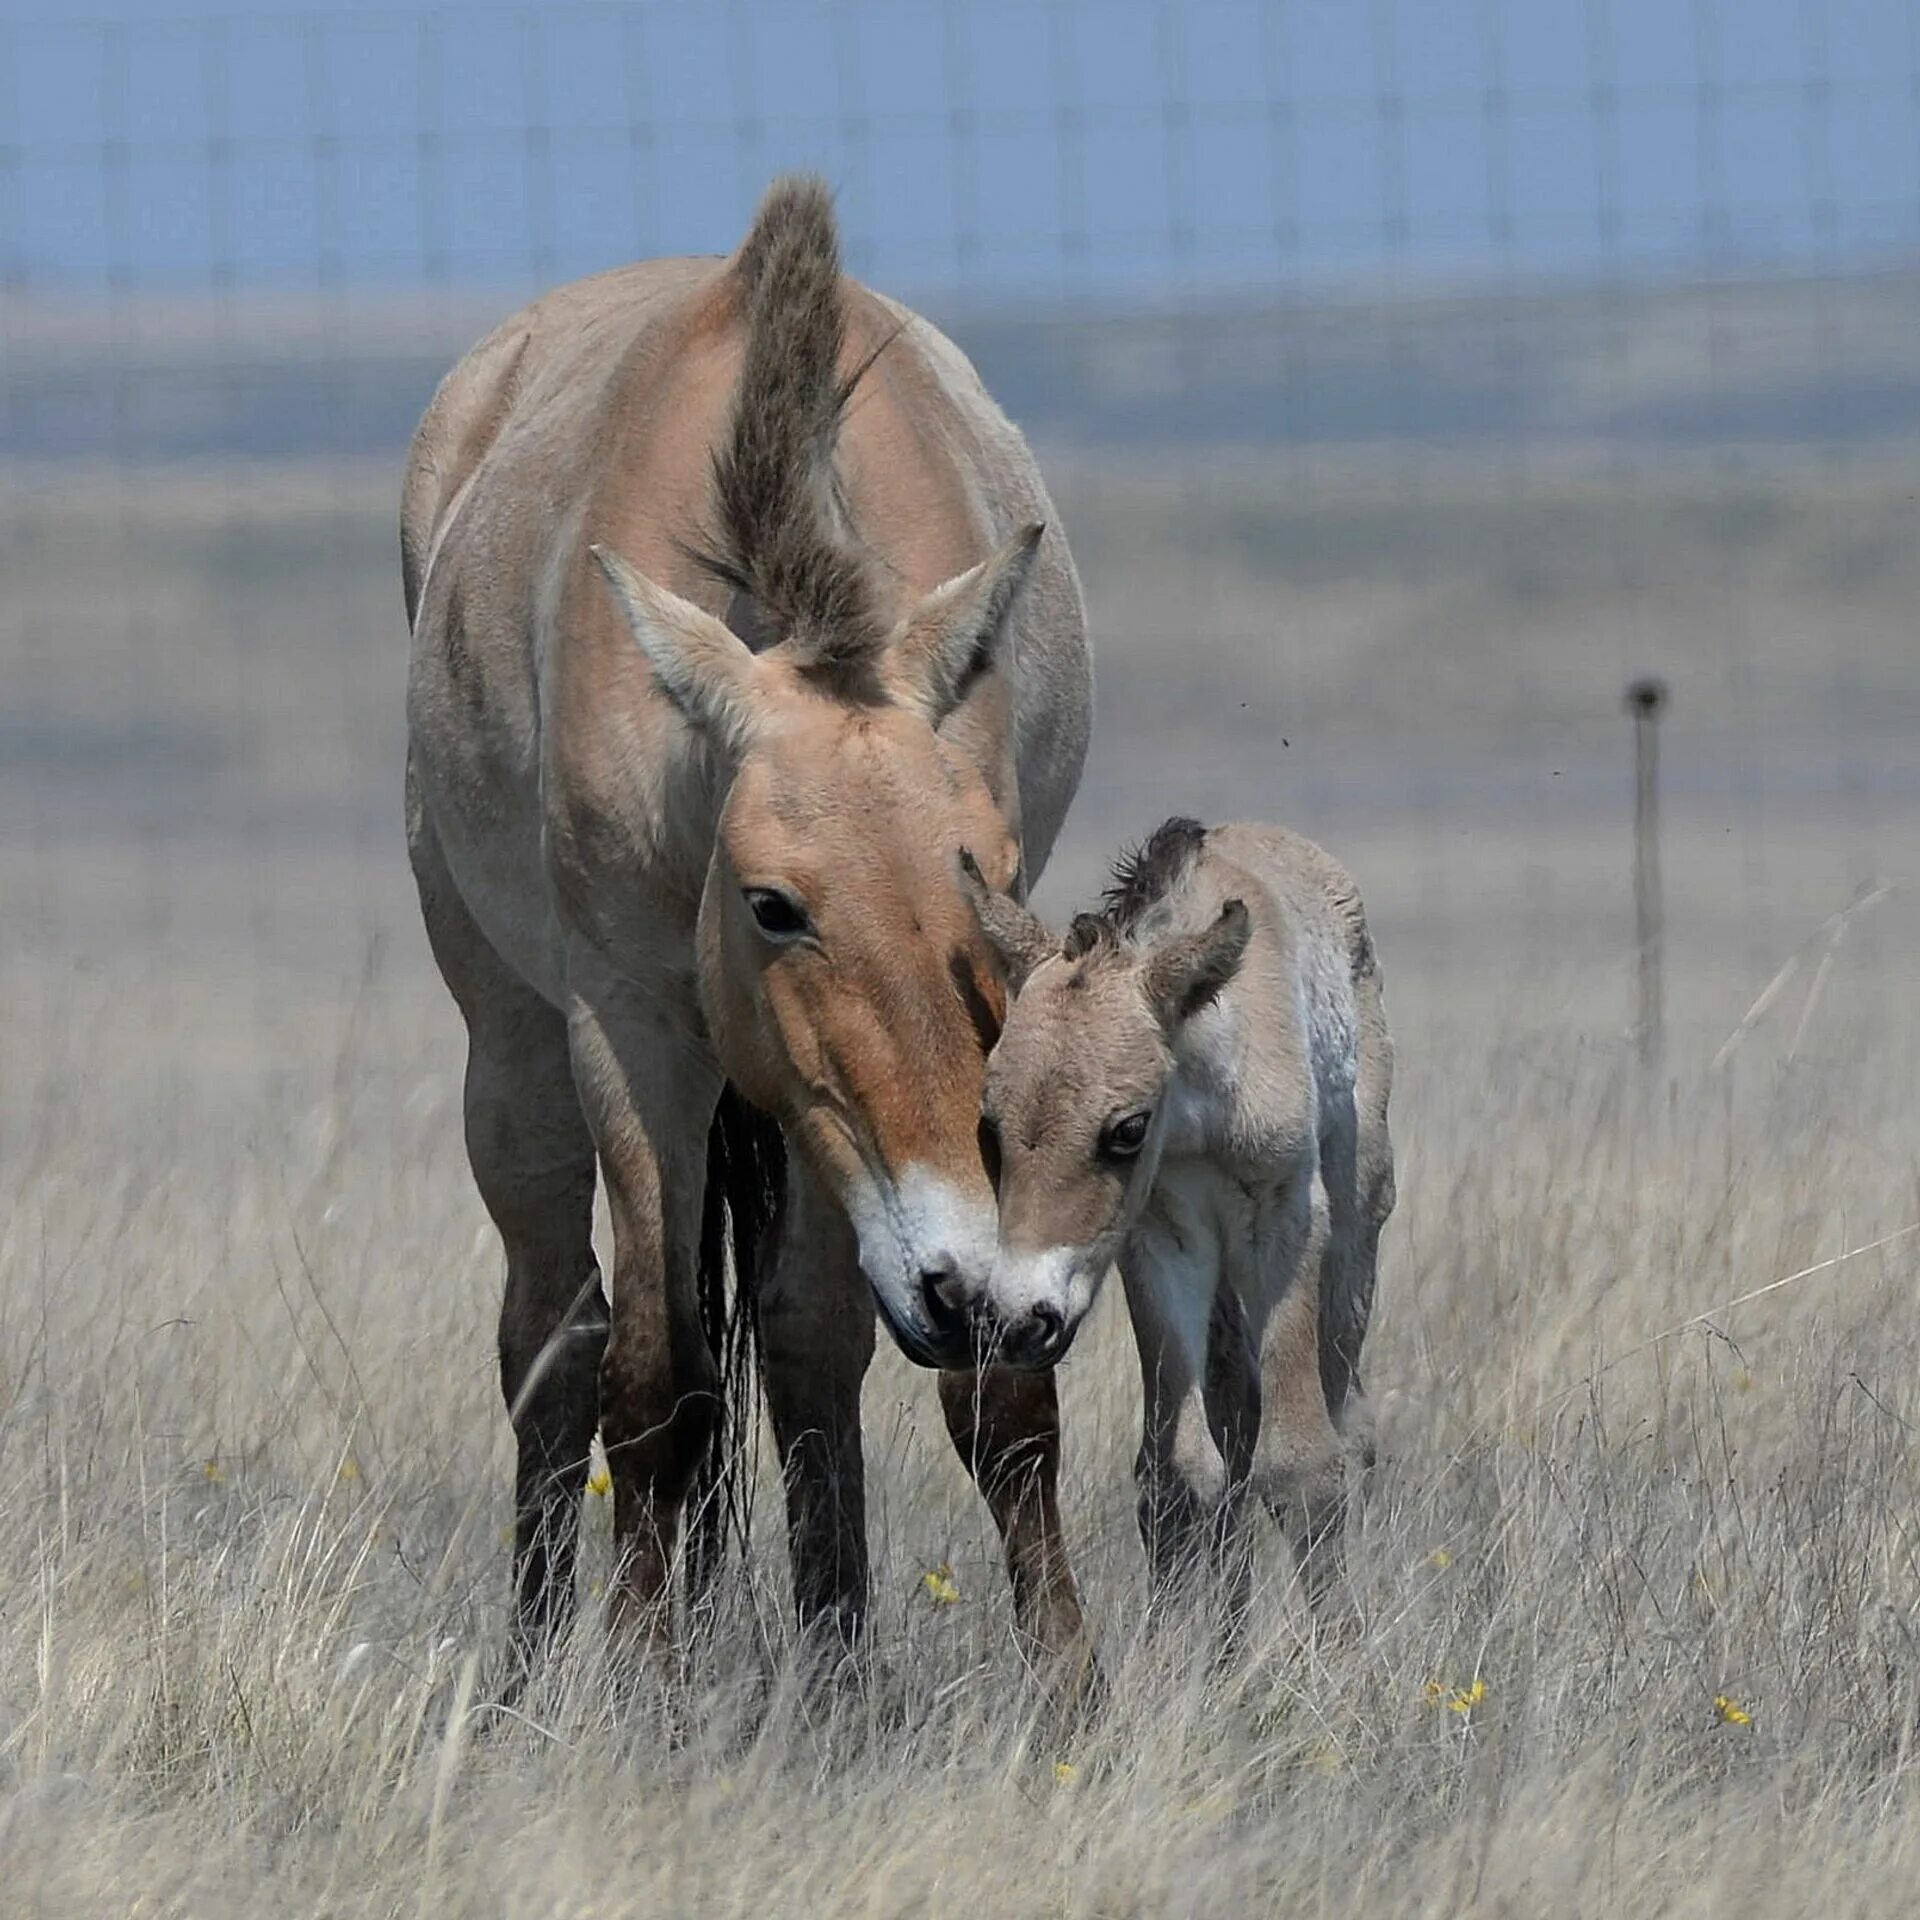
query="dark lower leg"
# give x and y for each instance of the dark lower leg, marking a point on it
(1174, 1525)
(658, 1412)
(1233, 1415)
(1006, 1427)
(816, 1341)
(825, 1474)
(550, 1380)
(1180, 1472)
(533, 1163)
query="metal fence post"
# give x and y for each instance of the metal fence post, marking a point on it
(1645, 700)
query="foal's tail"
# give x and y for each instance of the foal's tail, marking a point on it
(746, 1185)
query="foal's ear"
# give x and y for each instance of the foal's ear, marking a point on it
(1189, 973)
(704, 668)
(1020, 938)
(954, 635)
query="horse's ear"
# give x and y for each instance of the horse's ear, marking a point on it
(1190, 972)
(1020, 938)
(954, 635)
(704, 668)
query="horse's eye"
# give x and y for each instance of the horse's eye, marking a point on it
(1125, 1137)
(778, 915)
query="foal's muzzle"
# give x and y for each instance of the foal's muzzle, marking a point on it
(1033, 1338)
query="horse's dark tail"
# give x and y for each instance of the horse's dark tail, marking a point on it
(740, 1216)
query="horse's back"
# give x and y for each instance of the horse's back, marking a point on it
(549, 362)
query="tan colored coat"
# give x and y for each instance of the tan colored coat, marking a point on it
(688, 816)
(1194, 1084)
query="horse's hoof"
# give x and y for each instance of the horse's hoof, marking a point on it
(1073, 1685)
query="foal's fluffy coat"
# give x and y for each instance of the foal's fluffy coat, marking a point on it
(1194, 1082)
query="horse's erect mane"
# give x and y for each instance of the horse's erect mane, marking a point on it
(1143, 876)
(775, 491)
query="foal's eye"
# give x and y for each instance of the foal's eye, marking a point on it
(1125, 1137)
(778, 915)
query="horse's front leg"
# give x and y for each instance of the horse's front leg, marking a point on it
(648, 1091)
(1006, 1427)
(816, 1340)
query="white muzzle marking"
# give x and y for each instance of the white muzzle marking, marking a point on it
(1062, 1278)
(922, 1224)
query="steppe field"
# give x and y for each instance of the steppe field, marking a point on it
(1638, 1576)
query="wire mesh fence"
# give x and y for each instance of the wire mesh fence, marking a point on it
(1410, 377)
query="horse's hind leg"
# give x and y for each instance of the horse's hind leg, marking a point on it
(533, 1162)
(534, 1165)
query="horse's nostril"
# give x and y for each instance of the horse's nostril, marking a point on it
(1048, 1321)
(940, 1289)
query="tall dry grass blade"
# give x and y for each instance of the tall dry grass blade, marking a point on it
(1710, 1314)
(1829, 929)
(447, 1770)
(1841, 922)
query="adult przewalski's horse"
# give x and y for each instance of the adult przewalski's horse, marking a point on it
(737, 608)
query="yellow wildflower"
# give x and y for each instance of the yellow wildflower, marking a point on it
(600, 1483)
(939, 1584)
(213, 1472)
(349, 1469)
(1439, 1559)
(1730, 1712)
(1465, 1699)
(1065, 1773)
(1437, 1693)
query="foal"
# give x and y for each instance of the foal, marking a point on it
(1194, 1083)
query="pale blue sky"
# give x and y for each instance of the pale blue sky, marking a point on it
(1005, 151)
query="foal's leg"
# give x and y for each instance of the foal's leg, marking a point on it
(532, 1160)
(1297, 1468)
(1233, 1417)
(1357, 1160)
(1180, 1471)
(816, 1340)
(1356, 1163)
(648, 1091)
(1006, 1427)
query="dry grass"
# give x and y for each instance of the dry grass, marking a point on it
(253, 1470)
(256, 1478)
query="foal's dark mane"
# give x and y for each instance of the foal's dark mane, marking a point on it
(1143, 876)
